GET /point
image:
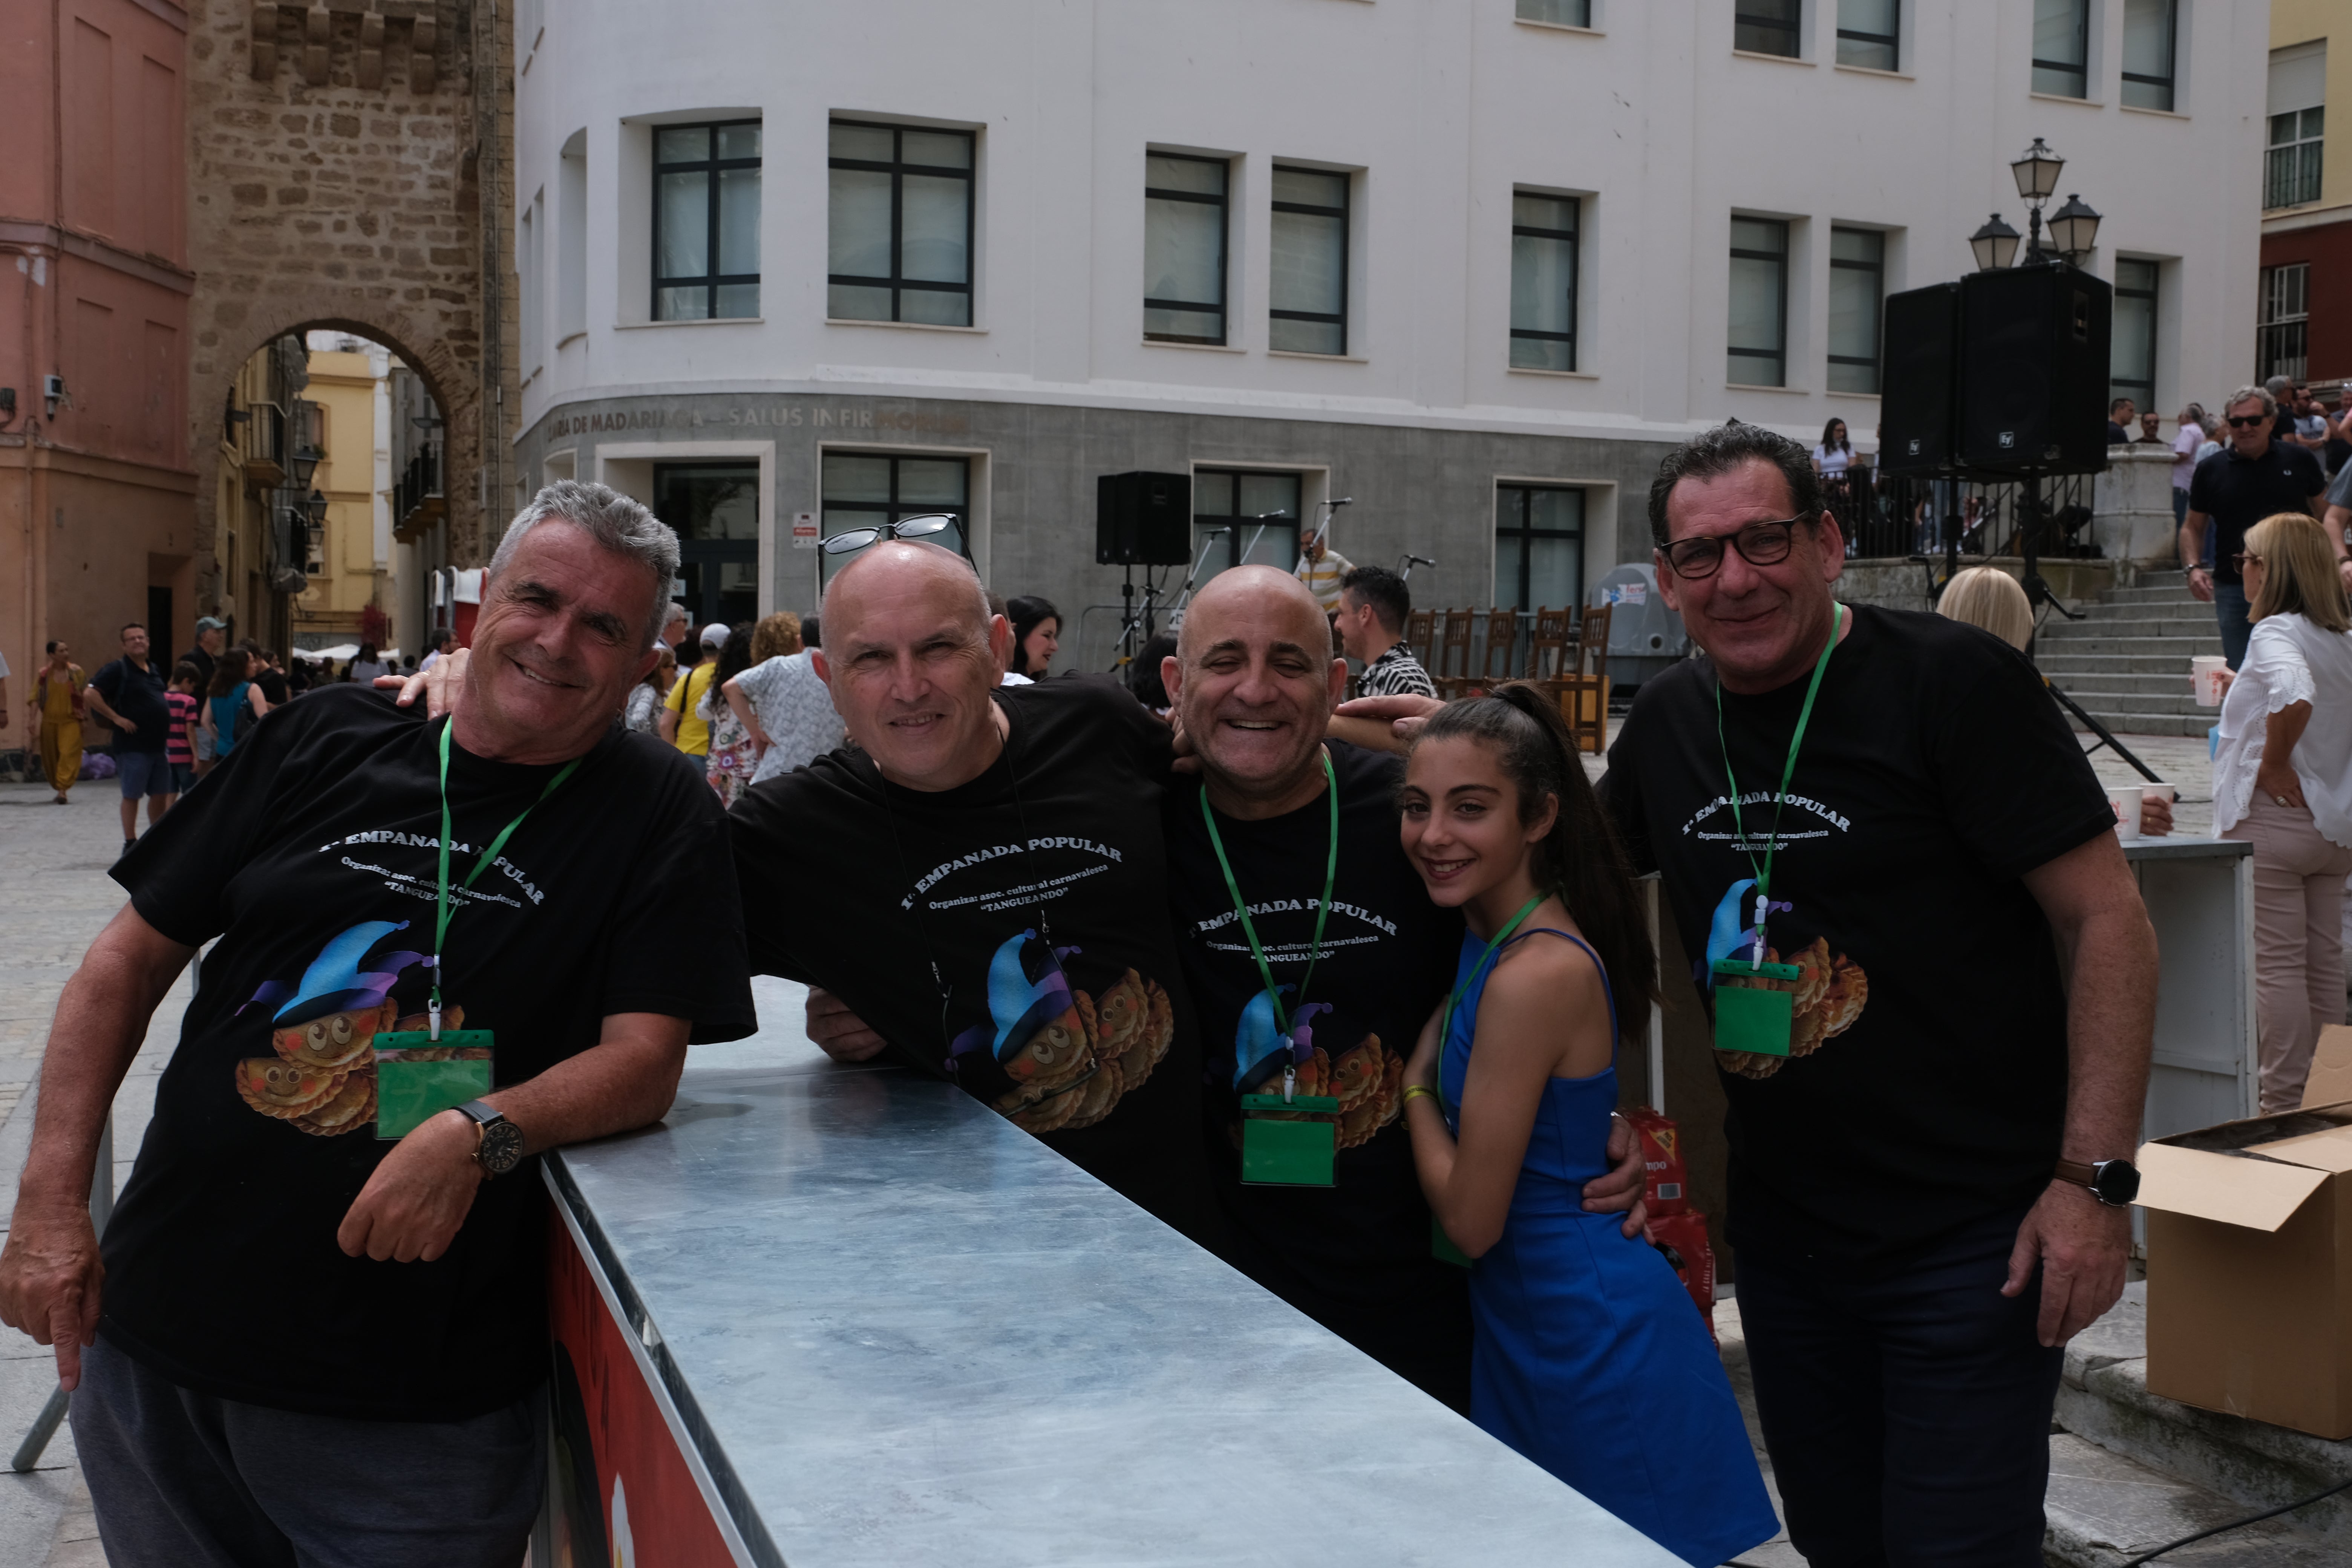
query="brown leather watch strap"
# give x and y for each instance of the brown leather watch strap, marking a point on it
(2076, 1171)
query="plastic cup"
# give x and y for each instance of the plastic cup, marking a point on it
(2205, 678)
(2124, 800)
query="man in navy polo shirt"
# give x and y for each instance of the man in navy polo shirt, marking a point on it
(2251, 478)
(128, 694)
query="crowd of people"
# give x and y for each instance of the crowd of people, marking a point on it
(1139, 929)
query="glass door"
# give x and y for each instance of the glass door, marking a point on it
(715, 509)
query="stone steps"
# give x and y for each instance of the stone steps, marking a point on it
(2127, 662)
(2132, 1469)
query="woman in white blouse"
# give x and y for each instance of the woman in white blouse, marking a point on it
(2283, 783)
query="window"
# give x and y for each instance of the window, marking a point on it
(872, 489)
(2298, 118)
(900, 244)
(572, 257)
(530, 299)
(1759, 338)
(2279, 340)
(1560, 13)
(2061, 47)
(1543, 282)
(1183, 248)
(2132, 357)
(1539, 546)
(706, 221)
(1765, 27)
(1858, 285)
(2291, 176)
(2149, 32)
(1238, 502)
(1308, 290)
(1870, 32)
(715, 507)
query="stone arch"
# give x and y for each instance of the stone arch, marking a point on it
(327, 191)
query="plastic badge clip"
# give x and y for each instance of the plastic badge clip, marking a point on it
(1754, 1006)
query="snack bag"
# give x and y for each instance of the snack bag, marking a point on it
(1682, 1237)
(1665, 1186)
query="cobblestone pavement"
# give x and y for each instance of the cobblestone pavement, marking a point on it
(53, 863)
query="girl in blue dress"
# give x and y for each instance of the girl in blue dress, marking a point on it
(1588, 1355)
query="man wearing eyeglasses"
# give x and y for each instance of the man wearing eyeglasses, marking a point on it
(2253, 477)
(1882, 815)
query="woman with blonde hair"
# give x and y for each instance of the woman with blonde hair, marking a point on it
(2283, 783)
(1988, 597)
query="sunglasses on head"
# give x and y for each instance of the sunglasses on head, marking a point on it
(911, 528)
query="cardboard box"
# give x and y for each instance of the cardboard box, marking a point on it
(2330, 1082)
(2249, 1268)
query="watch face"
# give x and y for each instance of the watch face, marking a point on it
(502, 1148)
(2117, 1183)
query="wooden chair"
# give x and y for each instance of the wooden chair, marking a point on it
(1421, 634)
(1581, 688)
(1502, 641)
(1454, 639)
(1548, 647)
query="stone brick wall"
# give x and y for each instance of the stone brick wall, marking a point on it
(336, 178)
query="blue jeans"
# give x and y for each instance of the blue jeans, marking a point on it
(1907, 1410)
(2179, 508)
(2229, 610)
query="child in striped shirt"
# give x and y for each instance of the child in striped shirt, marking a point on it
(177, 751)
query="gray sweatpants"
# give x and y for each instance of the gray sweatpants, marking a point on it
(186, 1481)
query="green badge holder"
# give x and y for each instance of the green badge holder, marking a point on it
(1754, 1018)
(1288, 1143)
(418, 1077)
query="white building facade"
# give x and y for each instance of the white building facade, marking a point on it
(793, 268)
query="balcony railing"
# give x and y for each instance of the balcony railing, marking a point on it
(416, 499)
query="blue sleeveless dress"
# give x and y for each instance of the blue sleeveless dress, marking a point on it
(1588, 1356)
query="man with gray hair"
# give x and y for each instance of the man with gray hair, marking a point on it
(443, 948)
(2253, 476)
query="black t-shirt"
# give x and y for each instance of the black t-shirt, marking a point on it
(1039, 893)
(311, 852)
(137, 694)
(204, 664)
(2118, 436)
(273, 687)
(2238, 492)
(1354, 1255)
(1926, 1085)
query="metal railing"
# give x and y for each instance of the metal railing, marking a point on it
(1895, 517)
(418, 483)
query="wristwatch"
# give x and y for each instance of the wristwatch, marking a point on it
(2114, 1182)
(498, 1146)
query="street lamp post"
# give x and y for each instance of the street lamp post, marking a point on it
(2073, 227)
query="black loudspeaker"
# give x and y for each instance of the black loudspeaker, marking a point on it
(1917, 409)
(2034, 370)
(1143, 519)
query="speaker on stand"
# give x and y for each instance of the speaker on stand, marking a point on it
(1141, 519)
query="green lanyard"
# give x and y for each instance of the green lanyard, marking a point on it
(441, 925)
(1764, 872)
(1331, 875)
(1486, 958)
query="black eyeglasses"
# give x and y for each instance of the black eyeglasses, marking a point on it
(1761, 544)
(2241, 557)
(909, 528)
(2248, 423)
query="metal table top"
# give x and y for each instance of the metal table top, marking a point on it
(901, 1332)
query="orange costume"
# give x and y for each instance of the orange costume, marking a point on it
(60, 705)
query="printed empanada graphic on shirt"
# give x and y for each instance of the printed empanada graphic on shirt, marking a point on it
(1070, 1055)
(1331, 1054)
(321, 1077)
(1831, 989)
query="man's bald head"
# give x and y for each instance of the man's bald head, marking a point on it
(1256, 596)
(898, 566)
(1253, 683)
(911, 655)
